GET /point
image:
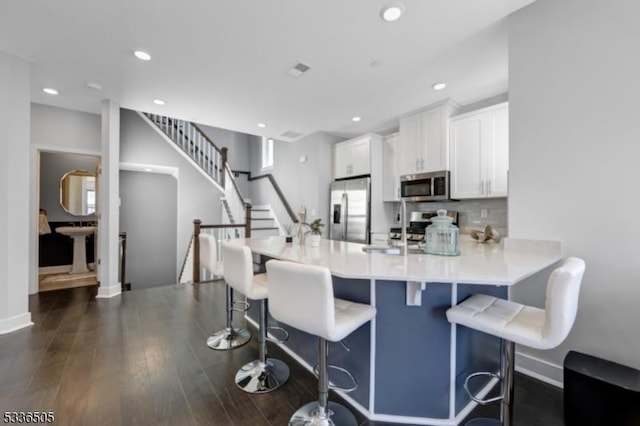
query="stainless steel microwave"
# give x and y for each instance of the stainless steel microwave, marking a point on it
(432, 186)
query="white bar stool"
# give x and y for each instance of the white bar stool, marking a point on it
(302, 296)
(229, 337)
(264, 374)
(526, 325)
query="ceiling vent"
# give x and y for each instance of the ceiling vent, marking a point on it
(290, 134)
(298, 70)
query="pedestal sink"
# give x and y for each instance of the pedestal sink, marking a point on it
(78, 233)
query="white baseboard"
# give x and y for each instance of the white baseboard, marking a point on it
(540, 369)
(15, 323)
(105, 292)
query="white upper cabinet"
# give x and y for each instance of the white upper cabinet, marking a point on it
(352, 158)
(480, 153)
(424, 141)
(390, 175)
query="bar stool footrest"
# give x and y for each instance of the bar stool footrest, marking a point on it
(240, 306)
(351, 388)
(476, 399)
(278, 330)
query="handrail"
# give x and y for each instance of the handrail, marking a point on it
(235, 184)
(290, 212)
(198, 226)
(206, 137)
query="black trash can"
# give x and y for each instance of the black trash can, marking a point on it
(598, 392)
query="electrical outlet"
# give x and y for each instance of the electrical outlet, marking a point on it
(484, 213)
(313, 212)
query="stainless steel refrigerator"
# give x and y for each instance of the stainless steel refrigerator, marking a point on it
(350, 210)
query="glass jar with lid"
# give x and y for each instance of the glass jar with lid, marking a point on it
(441, 237)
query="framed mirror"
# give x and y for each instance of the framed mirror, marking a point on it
(78, 192)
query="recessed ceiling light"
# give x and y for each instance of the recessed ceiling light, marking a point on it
(159, 102)
(142, 55)
(356, 119)
(392, 12)
(262, 125)
(50, 91)
(439, 86)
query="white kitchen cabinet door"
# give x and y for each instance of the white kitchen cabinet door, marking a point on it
(424, 140)
(466, 158)
(360, 156)
(498, 153)
(341, 165)
(410, 147)
(390, 163)
(480, 153)
(352, 158)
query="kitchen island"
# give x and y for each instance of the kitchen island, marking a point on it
(410, 362)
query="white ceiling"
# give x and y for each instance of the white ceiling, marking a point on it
(224, 63)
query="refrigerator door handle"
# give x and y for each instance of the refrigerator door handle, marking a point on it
(345, 207)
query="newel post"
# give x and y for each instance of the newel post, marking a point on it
(224, 155)
(196, 250)
(247, 220)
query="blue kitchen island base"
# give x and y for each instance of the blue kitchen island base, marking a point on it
(409, 362)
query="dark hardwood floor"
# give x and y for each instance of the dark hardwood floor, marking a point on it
(141, 358)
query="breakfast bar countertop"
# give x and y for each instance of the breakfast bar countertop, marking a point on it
(504, 263)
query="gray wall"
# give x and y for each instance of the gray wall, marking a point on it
(303, 184)
(52, 167)
(148, 214)
(198, 198)
(65, 129)
(573, 71)
(238, 151)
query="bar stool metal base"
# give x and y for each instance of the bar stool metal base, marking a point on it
(260, 377)
(483, 422)
(229, 338)
(307, 415)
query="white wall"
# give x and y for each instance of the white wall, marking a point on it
(574, 149)
(198, 198)
(17, 199)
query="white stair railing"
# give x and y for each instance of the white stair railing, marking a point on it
(265, 190)
(193, 142)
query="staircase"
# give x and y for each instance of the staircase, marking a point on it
(263, 222)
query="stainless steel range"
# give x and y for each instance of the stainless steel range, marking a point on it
(418, 222)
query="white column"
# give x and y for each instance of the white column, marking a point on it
(109, 193)
(15, 92)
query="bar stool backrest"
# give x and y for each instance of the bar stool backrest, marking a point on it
(561, 306)
(209, 254)
(302, 296)
(238, 268)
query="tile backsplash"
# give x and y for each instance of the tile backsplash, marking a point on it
(470, 213)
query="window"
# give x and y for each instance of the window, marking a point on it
(267, 153)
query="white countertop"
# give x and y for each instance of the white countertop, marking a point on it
(505, 263)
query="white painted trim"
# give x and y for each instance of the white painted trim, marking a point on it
(14, 323)
(372, 352)
(66, 150)
(36, 149)
(139, 167)
(105, 292)
(453, 356)
(180, 151)
(471, 405)
(540, 369)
